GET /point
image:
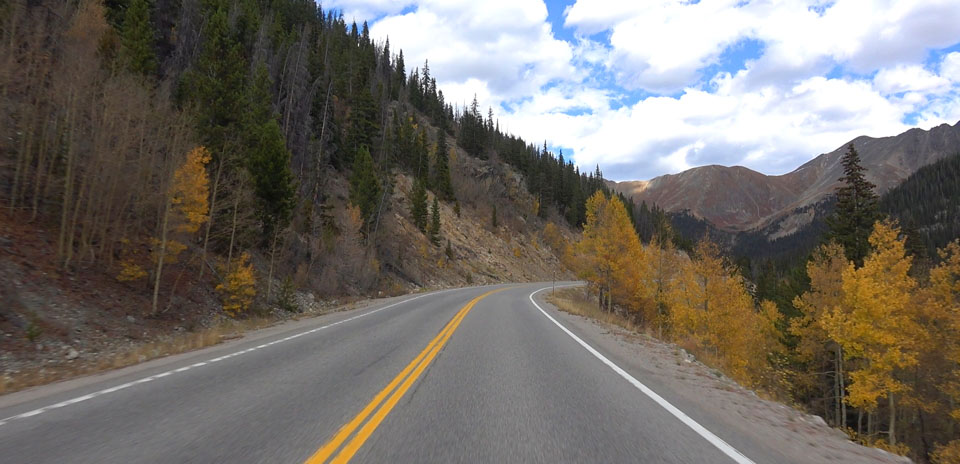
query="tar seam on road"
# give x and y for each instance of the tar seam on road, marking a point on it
(417, 366)
(716, 441)
(151, 378)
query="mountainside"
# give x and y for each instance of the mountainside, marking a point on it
(737, 199)
(167, 165)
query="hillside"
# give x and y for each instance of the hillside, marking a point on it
(738, 199)
(928, 204)
(168, 166)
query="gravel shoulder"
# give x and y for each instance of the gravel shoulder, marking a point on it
(719, 403)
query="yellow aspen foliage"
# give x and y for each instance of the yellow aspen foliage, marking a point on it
(712, 313)
(189, 191)
(186, 209)
(130, 271)
(941, 301)
(609, 245)
(239, 288)
(876, 323)
(825, 296)
(658, 270)
(947, 454)
(552, 237)
(825, 270)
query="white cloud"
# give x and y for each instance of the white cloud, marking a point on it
(909, 78)
(367, 10)
(661, 45)
(950, 67)
(772, 130)
(501, 49)
(770, 113)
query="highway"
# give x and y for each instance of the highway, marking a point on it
(481, 374)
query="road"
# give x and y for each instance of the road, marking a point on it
(480, 374)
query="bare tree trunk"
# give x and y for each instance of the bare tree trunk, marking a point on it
(892, 434)
(273, 252)
(213, 204)
(233, 227)
(837, 392)
(161, 256)
(843, 388)
(859, 422)
(67, 183)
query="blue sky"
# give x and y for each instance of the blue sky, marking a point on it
(645, 88)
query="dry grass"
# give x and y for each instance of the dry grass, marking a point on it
(175, 344)
(577, 301)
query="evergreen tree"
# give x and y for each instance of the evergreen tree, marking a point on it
(493, 219)
(856, 211)
(269, 165)
(362, 127)
(434, 230)
(364, 186)
(217, 86)
(422, 158)
(418, 204)
(456, 207)
(258, 99)
(137, 39)
(441, 170)
(449, 250)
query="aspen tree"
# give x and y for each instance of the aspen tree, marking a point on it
(824, 297)
(879, 326)
(185, 210)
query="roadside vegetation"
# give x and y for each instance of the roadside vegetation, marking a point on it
(871, 343)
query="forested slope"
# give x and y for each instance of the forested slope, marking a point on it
(172, 159)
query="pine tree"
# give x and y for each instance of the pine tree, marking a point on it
(493, 219)
(856, 211)
(456, 207)
(364, 186)
(418, 205)
(137, 39)
(449, 250)
(268, 163)
(441, 170)
(422, 158)
(217, 86)
(362, 127)
(434, 230)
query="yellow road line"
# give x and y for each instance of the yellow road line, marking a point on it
(418, 365)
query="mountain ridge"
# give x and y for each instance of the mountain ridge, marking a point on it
(737, 198)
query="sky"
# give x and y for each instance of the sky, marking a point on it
(650, 87)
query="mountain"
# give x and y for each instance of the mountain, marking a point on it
(738, 199)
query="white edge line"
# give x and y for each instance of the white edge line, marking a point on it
(116, 388)
(723, 446)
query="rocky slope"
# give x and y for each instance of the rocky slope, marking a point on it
(736, 198)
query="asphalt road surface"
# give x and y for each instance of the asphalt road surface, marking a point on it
(480, 374)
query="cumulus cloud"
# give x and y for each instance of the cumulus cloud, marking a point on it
(501, 49)
(654, 87)
(367, 10)
(661, 45)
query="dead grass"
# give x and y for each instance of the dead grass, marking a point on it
(175, 344)
(577, 301)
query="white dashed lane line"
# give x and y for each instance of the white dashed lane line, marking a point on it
(151, 378)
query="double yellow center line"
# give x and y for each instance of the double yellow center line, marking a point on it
(405, 379)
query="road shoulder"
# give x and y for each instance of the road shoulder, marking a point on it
(757, 427)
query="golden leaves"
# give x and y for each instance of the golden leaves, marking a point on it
(189, 190)
(238, 289)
